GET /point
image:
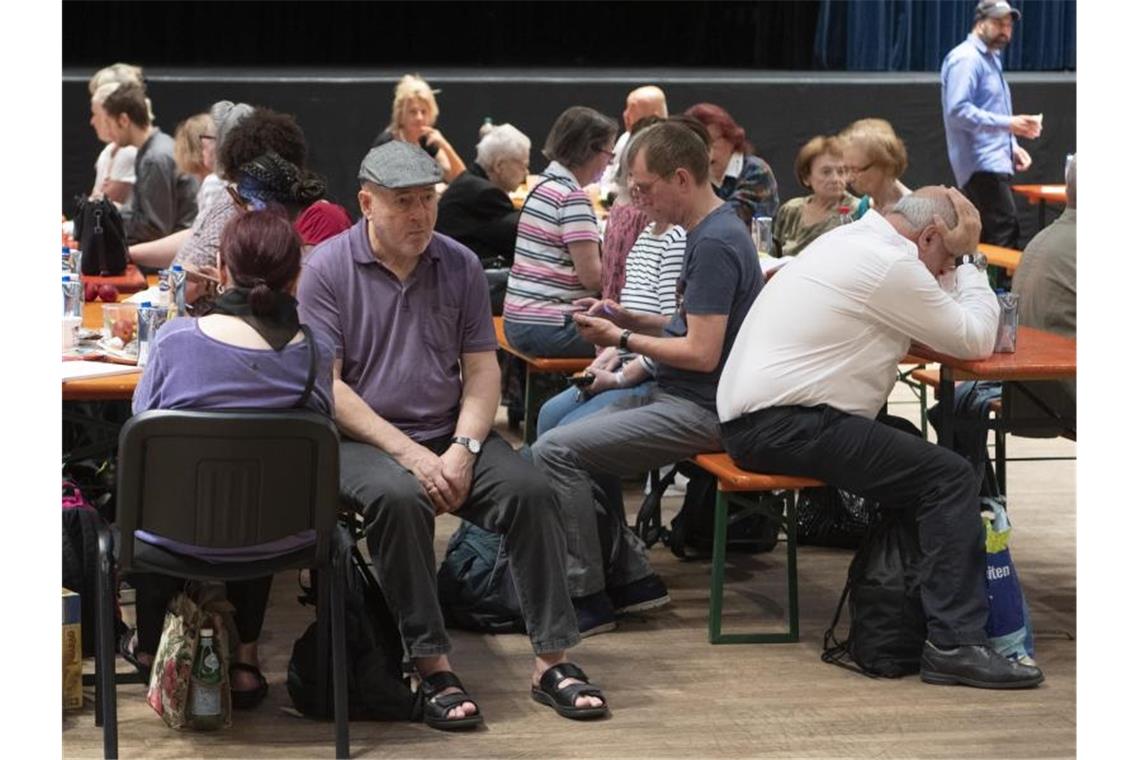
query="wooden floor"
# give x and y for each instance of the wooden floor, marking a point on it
(675, 696)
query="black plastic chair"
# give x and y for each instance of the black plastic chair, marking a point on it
(227, 480)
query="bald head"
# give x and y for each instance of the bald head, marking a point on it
(648, 100)
(918, 209)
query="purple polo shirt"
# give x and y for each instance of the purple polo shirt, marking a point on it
(400, 342)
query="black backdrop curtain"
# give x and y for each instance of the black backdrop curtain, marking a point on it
(751, 35)
(915, 35)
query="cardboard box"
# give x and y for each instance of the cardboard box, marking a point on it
(72, 652)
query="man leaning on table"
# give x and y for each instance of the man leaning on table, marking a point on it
(416, 386)
(802, 399)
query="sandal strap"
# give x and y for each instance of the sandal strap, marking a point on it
(439, 681)
(556, 673)
(569, 693)
(447, 701)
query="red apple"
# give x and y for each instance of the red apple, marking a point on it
(108, 293)
(90, 292)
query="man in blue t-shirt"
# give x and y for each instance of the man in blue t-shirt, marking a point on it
(668, 175)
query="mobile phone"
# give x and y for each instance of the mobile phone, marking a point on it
(583, 380)
(568, 316)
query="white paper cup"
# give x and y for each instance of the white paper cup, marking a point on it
(70, 327)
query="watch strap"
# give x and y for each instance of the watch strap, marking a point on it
(623, 341)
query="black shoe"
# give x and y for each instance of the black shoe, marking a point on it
(595, 614)
(978, 666)
(645, 594)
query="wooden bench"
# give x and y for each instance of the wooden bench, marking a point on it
(536, 365)
(737, 486)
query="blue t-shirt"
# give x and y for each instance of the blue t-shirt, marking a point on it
(190, 370)
(720, 275)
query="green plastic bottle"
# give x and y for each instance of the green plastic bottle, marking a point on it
(205, 708)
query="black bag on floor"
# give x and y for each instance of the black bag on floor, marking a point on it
(691, 531)
(377, 686)
(476, 590)
(102, 237)
(888, 625)
(829, 516)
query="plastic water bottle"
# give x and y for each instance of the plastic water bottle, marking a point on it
(72, 296)
(487, 126)
(205, 702)
(178, 289)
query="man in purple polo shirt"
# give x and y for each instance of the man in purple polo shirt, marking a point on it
(416, 387)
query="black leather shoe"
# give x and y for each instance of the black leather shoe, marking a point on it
(978, 666)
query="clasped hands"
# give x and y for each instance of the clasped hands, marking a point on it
(446, 478)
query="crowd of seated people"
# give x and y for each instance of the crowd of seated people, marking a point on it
(693, 351)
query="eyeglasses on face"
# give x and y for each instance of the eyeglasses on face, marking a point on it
(642, 189)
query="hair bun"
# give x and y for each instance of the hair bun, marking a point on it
(308, 189)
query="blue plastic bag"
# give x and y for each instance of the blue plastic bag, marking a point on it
(1008, 627)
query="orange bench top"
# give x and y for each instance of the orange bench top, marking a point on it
(729, 477)
(130, 281)
(537, 363)
(1008, 258)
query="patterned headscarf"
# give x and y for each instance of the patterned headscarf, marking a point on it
(271, 179)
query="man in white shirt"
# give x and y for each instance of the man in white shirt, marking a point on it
(817, 356)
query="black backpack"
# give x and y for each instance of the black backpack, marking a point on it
(102, 237)
(476, 590)
(690, 533)
(829, 516)
(377, 686)
(888, 625)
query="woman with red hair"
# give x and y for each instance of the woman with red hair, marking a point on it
(739, 177)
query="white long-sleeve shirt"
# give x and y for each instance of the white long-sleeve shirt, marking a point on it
(832, 325)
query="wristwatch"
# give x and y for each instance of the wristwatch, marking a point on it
(470, 444)
(623, 341)
(977, 259)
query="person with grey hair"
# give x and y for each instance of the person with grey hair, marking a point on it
(558, 248)
(813, 365)
(476, 209)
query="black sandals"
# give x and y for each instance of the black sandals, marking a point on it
(562, 700)
(437, 705)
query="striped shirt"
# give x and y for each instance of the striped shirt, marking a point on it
(543, 283)
(651, 271)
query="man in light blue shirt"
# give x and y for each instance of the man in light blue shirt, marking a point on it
(981, 130)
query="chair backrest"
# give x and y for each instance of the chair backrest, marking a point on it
(227, 479)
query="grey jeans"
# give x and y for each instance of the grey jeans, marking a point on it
(630, 437)
(508, 496)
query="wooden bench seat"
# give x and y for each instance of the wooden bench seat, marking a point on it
(738, 487)
(536, 365)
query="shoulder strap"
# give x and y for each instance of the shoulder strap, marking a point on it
(312, 379)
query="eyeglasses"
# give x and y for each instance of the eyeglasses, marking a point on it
(609, 154)
(859, 169)
(641, 189)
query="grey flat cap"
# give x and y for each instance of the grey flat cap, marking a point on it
(995, 9)
(397, 164)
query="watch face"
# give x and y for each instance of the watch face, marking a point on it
(474, 446)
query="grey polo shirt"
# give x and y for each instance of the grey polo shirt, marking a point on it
(400, 342)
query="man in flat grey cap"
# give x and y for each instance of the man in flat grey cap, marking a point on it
(416, 388)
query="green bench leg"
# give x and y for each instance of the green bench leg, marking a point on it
(716, 589)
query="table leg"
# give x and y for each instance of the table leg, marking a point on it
(946, 406)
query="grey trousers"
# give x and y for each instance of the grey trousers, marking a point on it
(630, 437)
(508, 496)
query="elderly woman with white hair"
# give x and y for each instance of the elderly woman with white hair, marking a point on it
(476, 209)
(414, 113)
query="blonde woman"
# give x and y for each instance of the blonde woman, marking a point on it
(414, 113)
(875, 158)
(195, 151)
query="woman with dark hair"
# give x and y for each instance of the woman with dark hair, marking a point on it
(738, 175)
(557, 252)
(250, 352)
(820, 169)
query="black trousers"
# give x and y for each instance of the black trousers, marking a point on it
(898, 469)
(153, 592)
(992, 196)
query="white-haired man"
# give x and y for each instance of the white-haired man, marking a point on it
(476, 209)
(812, 366)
